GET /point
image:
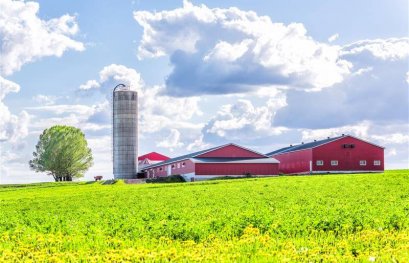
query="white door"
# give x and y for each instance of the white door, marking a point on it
(169, 170)
(310, 167)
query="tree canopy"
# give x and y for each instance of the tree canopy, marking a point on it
(62, 151)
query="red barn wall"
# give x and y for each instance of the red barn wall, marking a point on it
(295, 162)
(236, 168)
(348, 158)
(231, 151)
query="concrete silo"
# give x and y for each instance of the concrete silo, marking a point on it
(125, 132)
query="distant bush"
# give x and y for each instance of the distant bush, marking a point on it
(248, 175)
(141, 175)
(167, 179)
(107, 182)
(232, 177)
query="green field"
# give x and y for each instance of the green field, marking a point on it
(330, 218)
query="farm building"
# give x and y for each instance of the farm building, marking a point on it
(150, 158)
(225, 160)
(342, 154)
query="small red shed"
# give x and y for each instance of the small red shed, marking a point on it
(225, 160)
(150, 158)
(342, 154)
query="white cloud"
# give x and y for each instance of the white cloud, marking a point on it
(198, 144)
(45, 99)
(394, 138)
(243, 119)
(81, 110)
(172, 141)
(407, 77)
(26, 38)
(12, 127)
(366, 94)
(90, 84)
(156, 111)
(333, 37)
(359, 130)
(385, 49)
(219, 51)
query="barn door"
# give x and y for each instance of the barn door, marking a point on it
(348, 160)
(169, 170)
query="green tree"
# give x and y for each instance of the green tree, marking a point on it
(62, 151)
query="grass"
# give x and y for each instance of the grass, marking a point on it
(329, 218)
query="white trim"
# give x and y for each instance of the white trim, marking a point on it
(336, 172)
(377, 162)
(256, 160)
(334, 162)
(205, 177)
(319, 162)
(347, 172)
(362, 162)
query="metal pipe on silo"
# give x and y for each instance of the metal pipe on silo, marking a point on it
(125, 132)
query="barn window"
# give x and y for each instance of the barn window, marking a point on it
(377, 162)
(334, 162)
(320, 162)
(348, 145)
(160, 169)
(173, 166)
(183, 164)
(362, 162)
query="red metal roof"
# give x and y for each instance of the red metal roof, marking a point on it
(153, 156)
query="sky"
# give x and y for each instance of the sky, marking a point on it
(262, 74)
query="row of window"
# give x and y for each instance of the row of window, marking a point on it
(178, 165)
(335, 162)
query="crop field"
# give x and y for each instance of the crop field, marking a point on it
(329, 218)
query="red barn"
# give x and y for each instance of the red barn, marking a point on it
(150, 158)
(343, 154)
(225, 160)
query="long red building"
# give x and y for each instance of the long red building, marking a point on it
(343, 154)
(225, 160)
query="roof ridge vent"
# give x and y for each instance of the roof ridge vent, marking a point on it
(302, 142)
(315, 140)
(328, 137)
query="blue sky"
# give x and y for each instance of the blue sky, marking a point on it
(261, 74)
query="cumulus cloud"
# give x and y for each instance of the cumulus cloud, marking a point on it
(234, 122)
(45, 99)
(377, 91)
(156, 110)
(198, 144)
(385, 49)
(12, 127)
(89, 85)
(88, 118)
(25, 37)
(172, 141)
(333, 37)
(218, 51)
